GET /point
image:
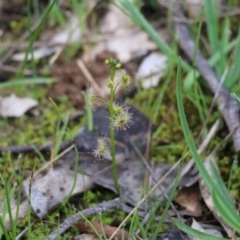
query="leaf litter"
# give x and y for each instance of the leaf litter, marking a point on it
(13, 106)
(48, 190)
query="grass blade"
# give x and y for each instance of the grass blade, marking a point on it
(234, 72)
(27, 81)
(187, 133)
(154, 236)
(225, 210)
(211, 11)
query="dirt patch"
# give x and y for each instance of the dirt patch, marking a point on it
(71, 80)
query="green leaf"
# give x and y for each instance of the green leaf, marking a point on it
(234, 71)
(187, 133)
(27, 81)
(225, 210)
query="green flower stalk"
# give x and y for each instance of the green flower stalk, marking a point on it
(120, 117)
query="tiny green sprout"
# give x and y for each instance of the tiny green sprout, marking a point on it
(102, 148)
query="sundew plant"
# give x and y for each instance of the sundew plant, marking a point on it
(119, 115)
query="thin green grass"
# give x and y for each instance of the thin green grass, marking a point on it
(27, 81)
(222, 203)
(164, 214)
(34, 36)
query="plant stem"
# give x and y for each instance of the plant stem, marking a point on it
(112, 134)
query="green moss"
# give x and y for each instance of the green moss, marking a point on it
(168, 144)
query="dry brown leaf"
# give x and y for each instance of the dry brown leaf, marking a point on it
(189, 197)
(102, 229)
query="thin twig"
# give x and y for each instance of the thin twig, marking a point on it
(90, 78)
(53, 160)
(101, 208)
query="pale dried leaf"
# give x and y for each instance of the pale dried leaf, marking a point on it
(86, 237)
(14, 106)
(197, 226)
(50, 190)
(126, 40)
(152, 69)
(114, 20)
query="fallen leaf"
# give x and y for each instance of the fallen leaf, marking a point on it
(50, 190)
(189, 197)
(86, 237)
(14, 106)
(125, 40)
(212, 231)
(152, 69)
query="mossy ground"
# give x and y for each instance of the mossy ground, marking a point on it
(168, 142)
(167, 146)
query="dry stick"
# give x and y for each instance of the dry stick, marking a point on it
(90, 78)
(145, 197)
(101, 208)
(52, 160)
(104, 207)
(228, 105)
